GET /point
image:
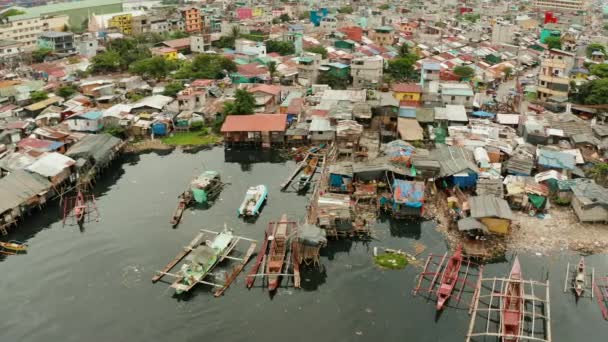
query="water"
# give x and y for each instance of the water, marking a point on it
(95, 285)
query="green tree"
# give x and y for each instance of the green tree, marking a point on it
(280, 47)
(317, 49)
(593, 93)
(107, 61)
(272, 70)
(599, 172)
(39, 55)
(599, 70)
(173, 88)
(471, 17)
(404, 50)
(402, 68)
(39, 95)
(464, 71)
(154, 67)
(508, 72)
(345, 9)
(554, 42)
(178, 35)
(606, 27)
(129, 50)
(244, 103)
(11, 12)
(595, 47)
(206, 66)
(284, 17)
(384, 7)
(334, 81)
(66, 91)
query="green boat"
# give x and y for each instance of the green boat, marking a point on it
(201, 261)
(206, 186)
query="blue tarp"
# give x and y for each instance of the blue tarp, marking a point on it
(335, 180)
(409, 193)
(483, 114)
(407, 112)
(465, 181)
(159, 128)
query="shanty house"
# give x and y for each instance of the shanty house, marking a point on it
(54, 166)
(267, 97)
(590, 202)
(255, 130)
(555, 160)
(321, 130)
(408, 198)
(493, 212)
(409, 129)
(456, 165)
(20, 191)
(94, 150)
(86, 122)
(411, 94)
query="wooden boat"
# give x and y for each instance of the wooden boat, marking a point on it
(276, 254)
(12, 247)
(201, 261)
(206, 186)
(449, 278)
(308, 172)
(80, 208)
(254, 198)
(513, 305)
(184, 199)
(579, 279)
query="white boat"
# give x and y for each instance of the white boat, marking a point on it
(254, 198)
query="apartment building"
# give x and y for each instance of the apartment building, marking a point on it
(553, 79)
(383, 36)
(561, 5)
(193, 21)
(26, 31)
(10, 48)
(366, 71)
(122, 22)
(57, 41)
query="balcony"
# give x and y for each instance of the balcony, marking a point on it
(553, 63)
(554, 79)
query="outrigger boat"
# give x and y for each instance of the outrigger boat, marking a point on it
(449, 278)
(277, 252)
(80, 208)
(254, 198)
(202, 260)
(513, 305)
(308, 172)
(12, 247)
(579, 279)
(184, 199)
(206, 186)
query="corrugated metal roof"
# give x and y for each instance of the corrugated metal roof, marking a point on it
(454, 160)
(556, 159)
(18, 187)
(50, 164)
(489, 206)
(36, 11)
(255, 123)
(591, 194)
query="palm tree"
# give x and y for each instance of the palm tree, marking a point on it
(235, 32)
(272, 70)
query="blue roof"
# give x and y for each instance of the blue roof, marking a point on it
(407, 112)
(556, 159)
(409, 193)
(55, 145)
(91, 115)
(431, 66)
(483, 114)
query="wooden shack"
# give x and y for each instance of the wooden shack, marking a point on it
(257, 130)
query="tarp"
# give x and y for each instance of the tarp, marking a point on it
(409, 193)
(312, 235)
(483, 114)
(537, 201)
(200, 195)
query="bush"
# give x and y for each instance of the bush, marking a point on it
(197, 126)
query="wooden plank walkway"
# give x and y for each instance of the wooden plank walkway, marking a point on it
(186, 250)
(295, 172)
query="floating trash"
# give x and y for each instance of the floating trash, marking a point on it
(393, 261)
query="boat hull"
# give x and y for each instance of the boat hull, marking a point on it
(579, 279)
(277, 252)
(251, 206)
(449, 278)
(512, 305)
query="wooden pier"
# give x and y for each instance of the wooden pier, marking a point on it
(486, 314)
(295, 172)
(600, 288)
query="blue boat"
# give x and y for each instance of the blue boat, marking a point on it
(254, 198)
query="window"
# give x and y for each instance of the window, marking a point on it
(453, 98)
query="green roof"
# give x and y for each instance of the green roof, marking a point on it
(384, 28)
(34, 12)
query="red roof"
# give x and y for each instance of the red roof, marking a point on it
(251, 70)
(407, 88)
(266, 88)
(202, 83)
(353, 33)
(34, 143)
(255, 123)
(181, 43)
(17, 125)
(295, 106)
(319, 112)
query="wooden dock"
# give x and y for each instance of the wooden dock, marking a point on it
(295, 172)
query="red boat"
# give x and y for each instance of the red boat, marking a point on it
(579, 279)
(513, 305)
(449, 278)
(80, 208)
(276, 254)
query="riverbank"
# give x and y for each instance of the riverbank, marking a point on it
(187, 141)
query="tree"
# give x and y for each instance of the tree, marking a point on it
(595, 47)
(464, 71)
(284, 17)
(593, 93)
(11, 12)
(129, 51)
(599, 172)
(508, 72)
(66, 91)
(66, 28)
(154, 67)
(345, 9)
(206, 66)
(384, 7)
(272, 70)
(107, 61)
(178, 35)
(244, 103)
(317, 49)
(39, 55)
(404, 50)
(402, 68)
(335, 82)
(173, 88)
(39, 95)
(599, 70)
(282, 48)
(554, 42)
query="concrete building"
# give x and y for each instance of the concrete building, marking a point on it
(56, 41)
(366, 71)
(383, 36)
(308, 68)
(503, 33)
(562, 5)
(553, 79)
(251, 48)
(122, 22)
(26, 31)
(86, 45)
(456, 94)
(10, 48)
(199, 44)
(192, 19)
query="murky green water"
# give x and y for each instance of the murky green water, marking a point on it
(95, 285)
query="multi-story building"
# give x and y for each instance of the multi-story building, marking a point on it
(26, 31)
(10, 48)
(123, 22)
(308, 68)
(562, 5)
(251, 48)
(366, 71)
(86, 45)
(57, 41)
(383, 36)
(192, 19)
(456, 94)
(198, 43)
(553, 79)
